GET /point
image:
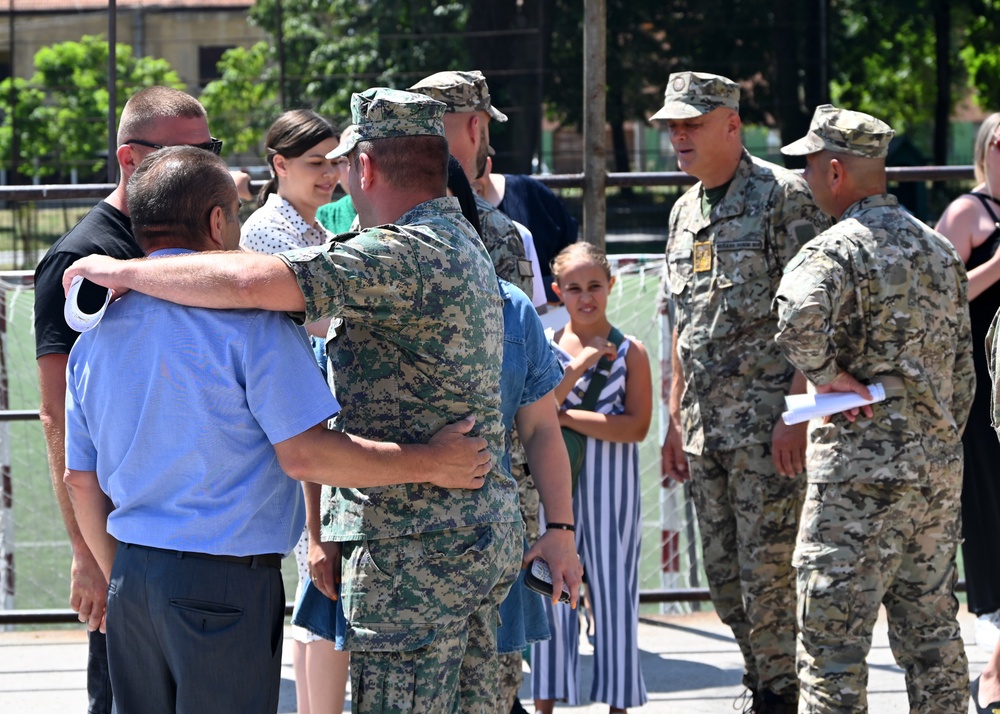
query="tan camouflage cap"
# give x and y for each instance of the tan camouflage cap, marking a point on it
(382, 113)
(461, 91)
(844, 132)
(691, 94)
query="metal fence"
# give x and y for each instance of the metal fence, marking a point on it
(34, 552)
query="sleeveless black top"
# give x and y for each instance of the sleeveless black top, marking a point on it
(985, 306)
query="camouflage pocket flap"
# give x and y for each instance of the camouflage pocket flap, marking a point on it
(389, 637)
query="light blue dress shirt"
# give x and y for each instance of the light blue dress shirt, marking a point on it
(177, 409)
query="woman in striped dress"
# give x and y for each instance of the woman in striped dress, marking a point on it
(606, 501)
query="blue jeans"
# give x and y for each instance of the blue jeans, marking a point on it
(522, 618)
(320, 615)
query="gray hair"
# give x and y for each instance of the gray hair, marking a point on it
(171, 196)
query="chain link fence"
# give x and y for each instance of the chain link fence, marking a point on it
(34, 550)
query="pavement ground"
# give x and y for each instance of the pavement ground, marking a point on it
(690, 663)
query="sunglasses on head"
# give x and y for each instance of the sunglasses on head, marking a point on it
(214, 145)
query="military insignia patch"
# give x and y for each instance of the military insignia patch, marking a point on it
(703, 256)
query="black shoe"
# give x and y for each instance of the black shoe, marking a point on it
(517, 708)
(991, 708)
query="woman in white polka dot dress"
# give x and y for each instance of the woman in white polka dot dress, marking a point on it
(302, 180)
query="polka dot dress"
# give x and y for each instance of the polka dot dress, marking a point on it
(277, 226)
(272, 228)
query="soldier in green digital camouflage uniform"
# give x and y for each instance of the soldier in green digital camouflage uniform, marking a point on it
(467, 127)
(420, 346)
(730, 237)
(470, 110)
(879, 297)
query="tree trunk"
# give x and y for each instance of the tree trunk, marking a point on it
(817, 67)
(793, 121)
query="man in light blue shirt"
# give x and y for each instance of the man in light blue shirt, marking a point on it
(182, 424)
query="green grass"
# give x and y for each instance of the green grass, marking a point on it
(42, 554)
(28, 229)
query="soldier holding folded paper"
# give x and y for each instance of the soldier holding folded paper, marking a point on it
(879, 297)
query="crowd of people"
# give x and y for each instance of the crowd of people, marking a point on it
(386, 351)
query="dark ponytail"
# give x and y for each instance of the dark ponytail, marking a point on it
(459, 186)
(291, 135)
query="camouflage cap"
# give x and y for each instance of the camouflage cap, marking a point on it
(461, 91)
(691, 94)
(382, 113)
(844, 132)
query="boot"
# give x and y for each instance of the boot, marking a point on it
(771, 703)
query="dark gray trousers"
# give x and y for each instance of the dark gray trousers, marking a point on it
(188, 635)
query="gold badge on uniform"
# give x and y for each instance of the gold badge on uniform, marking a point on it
(703, 256)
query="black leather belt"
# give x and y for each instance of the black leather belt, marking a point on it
(266, 560)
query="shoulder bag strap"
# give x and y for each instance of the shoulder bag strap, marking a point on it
(601, 374)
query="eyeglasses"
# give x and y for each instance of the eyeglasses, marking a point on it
(214, 145)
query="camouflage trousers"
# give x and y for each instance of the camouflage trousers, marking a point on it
(511, 677)
(748, 516)
(866, 544)
(422, 618)
(511, 670)
(527, 494)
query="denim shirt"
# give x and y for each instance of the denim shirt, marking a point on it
(530, 370)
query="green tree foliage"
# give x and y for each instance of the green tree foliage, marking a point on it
(639, 60)
(334, 48)
(978, 51)
(894, 77)
(61, 112)
(907, 61)
(241, 104)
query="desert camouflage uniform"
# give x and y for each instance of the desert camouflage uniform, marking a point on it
(504, 244)
(881, 297)
(723, 270)
(420, 346)
(463, 93)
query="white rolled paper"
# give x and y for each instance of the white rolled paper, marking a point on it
(803, 407)
(77, 318)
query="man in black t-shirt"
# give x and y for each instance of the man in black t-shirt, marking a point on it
(153, 118)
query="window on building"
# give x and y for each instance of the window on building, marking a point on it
(208, 62)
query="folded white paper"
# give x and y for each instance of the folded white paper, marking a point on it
(803, 407)
(75, 317)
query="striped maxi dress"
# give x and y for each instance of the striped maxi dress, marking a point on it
(607, 513)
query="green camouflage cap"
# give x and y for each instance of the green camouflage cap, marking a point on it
(461, 91)
(844, 132)
(382, 113)
(691, 94)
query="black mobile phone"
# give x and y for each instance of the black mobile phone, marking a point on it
(539, 579)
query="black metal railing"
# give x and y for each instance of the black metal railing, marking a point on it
(57, 192)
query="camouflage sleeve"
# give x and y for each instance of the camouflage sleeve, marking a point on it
(372, 273)
(506, 249)
(992, 345)
(964, 374)
(808, 301)
(663, 292)
(796, 219)
(672, 230)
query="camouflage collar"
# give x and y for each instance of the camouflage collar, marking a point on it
(879, 200)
